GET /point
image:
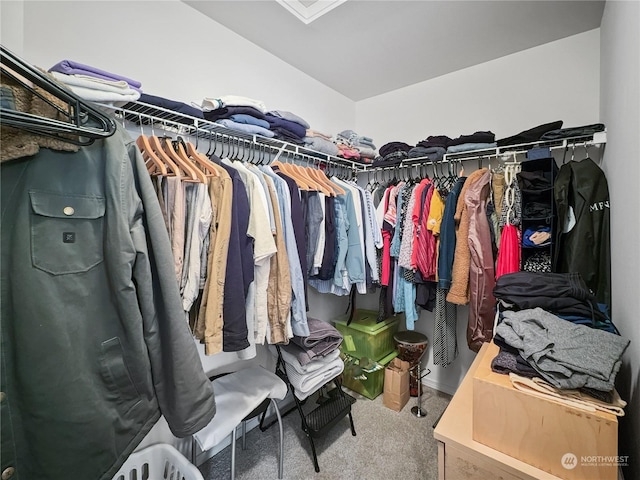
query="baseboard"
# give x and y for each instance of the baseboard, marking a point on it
(441, 387)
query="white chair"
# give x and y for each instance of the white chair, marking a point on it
(241, 395)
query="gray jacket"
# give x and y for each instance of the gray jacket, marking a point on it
(94, 342)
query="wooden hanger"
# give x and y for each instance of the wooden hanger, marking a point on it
(189, 170)
(155, 166)
(158, 149)
(323, 180)
(285, 168)
(200, 159)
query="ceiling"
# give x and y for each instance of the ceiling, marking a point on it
(363, 48)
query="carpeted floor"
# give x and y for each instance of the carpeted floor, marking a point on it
(388, 445)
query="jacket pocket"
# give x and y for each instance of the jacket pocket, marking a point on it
(116, 375)
(66, 232)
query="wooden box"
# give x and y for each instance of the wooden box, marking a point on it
(565, 441)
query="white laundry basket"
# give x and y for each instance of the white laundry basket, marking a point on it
(158, 462)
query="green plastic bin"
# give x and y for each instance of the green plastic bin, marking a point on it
(363, 337)
(373, 385)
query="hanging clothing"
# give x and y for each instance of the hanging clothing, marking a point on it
(445, 334)
(509, 252)
(95, 346)
(583, 239)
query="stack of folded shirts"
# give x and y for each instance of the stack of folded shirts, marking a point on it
(242, 114)
(320, 142)
(173, 105)
(476, 141)
(392, 153)
(432, 148)
(532, 135)
(363, 145)
(95, 85)
(285, 129)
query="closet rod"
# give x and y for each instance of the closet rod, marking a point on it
(158, 117)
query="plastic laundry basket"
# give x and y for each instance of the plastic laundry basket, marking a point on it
(158, 462)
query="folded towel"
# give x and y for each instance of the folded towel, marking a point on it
(245, 127)
(292, 117)
(305, 384)
(323, 338)
(75, 68)
(290, 356)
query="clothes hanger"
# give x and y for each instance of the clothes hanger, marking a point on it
(83, 122)
(177, 150)
(155, 166)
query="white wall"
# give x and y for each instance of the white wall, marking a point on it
(178, 53)
(620, 107)
(556, 81)
(11, 19)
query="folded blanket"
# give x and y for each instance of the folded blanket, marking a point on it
(323, 338)
(290, 356)
(75, 68)
(320, 144)
(306, 384)
(245, 127)
(292, 117)
(575, 398)
(249, 119)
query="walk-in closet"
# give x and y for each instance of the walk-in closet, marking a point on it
(319, 239)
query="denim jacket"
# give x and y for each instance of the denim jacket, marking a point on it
(94, 344)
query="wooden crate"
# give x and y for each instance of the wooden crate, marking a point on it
(542, 432)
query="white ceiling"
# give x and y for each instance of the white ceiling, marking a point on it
(365, 48)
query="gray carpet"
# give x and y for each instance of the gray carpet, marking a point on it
(388, 445)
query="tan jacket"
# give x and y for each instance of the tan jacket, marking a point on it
(459, 291)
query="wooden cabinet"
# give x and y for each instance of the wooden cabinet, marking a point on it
(460, 457)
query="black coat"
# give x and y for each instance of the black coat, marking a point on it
(585, 248)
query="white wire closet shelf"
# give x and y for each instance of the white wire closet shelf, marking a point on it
(260, 149)
(510, 152)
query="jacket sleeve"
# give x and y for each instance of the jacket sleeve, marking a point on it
(184, 393)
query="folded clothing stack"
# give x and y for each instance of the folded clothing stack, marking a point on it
(392, 153)
(532, 135)
(314, 360)
(96, 85)
(362, 144)
(285, 129)
(320, 142)
(480, 140)
(432, 148)
(235, 112)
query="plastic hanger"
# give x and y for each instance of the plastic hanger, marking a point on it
(84, 123)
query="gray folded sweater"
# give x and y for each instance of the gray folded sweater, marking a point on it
(565, 354)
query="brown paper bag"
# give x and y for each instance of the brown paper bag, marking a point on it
(396, 384)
